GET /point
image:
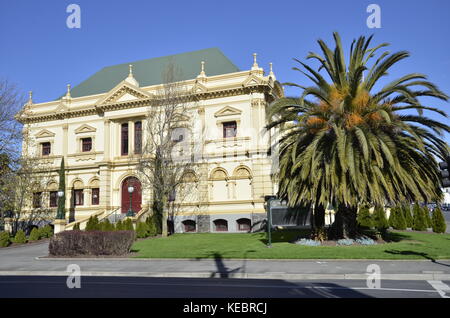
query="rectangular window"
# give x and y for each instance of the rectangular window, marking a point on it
(86, 144)
(229, 129)
(124, 139)
(138, 137)
(37, 196)
(79, 197)
(53, 199)
(95, 196)
(46, 148)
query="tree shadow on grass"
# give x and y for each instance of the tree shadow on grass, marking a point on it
(424, 255)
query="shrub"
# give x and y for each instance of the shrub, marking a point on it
(406, 209)
(20, 237)
(345, 242)
(438, 221)
(5, 239)
(119, 226)
(106, 226)
(92, 224)
(379, 219)
(128, 225)
(34, 235)
(142, 230)
(47, 231)
(73, 243)
(364, 218)
(419, 220)
(365, 241)
(396, 219)
(152, 228)
(308, 242)
(76, 226)
(427, 216)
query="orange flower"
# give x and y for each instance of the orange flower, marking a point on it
(353, 120)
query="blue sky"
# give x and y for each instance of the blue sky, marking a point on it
(39, 53)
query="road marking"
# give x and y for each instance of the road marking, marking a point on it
(441, 288)
(293, 286)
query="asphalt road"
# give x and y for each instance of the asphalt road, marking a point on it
(145, 287)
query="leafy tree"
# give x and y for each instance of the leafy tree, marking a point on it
(358, 141)
(420, 222)
(438, 221)
(34, 235)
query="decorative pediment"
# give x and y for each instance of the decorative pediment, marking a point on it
(227, 111)
(44, 133)
(199, 88)
(252, 80)
(123, 92)
(85, 129)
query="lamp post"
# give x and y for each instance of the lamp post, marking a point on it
(60, 213)
(130, 210)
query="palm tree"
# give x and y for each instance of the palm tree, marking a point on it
(344, 143)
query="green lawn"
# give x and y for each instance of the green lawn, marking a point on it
(404, 245)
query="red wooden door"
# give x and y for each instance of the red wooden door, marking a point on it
(136, 196)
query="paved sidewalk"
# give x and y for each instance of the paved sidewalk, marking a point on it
(26, 260)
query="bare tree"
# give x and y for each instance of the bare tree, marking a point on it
(24, 176)
(167, 160)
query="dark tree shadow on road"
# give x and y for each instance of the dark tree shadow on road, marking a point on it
(424, 255)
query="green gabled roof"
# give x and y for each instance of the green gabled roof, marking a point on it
(148, 72)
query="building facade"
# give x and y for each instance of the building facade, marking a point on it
(98, 127)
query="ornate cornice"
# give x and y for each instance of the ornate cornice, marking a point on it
(100, 109)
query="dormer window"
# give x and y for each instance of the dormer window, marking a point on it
(86, 144)
(45, 148)
(229, 129)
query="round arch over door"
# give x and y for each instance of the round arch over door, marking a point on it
(136, 197)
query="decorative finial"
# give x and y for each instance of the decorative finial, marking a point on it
(255, 63)
(202, 74)
(130, 79)
(271, 71)
(68, 91)
(131, 70)
(30, 97)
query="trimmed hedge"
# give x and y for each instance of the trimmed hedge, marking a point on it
(73, 243)
(93, 224)
(396, 218)
(407, 215)
(46, 231)
(379, 219)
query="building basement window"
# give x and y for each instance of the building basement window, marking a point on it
(189, 226)
(244, 225)
(221, 225)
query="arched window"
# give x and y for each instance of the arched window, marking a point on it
(244, 225)
(189, 226)
(221, 225)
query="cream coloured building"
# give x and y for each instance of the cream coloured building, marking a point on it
(98, 128)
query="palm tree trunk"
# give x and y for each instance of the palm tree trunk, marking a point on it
(344, 225)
